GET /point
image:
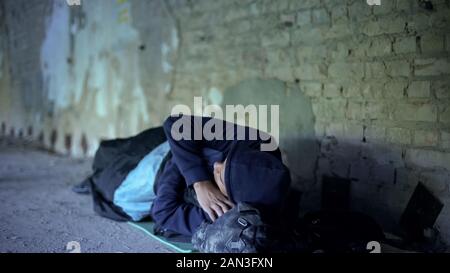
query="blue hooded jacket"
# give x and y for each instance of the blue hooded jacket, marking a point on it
(251, 175)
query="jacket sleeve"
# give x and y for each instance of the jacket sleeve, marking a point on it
(187, 141)
(169, 209)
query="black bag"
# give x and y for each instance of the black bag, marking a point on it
(113, 160)
(333, 231)
(242, 230)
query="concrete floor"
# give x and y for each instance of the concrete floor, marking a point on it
(40, 213)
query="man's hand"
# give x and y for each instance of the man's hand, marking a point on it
(212, 201)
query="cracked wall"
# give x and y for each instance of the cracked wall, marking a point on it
(366, 86)
(106, 63)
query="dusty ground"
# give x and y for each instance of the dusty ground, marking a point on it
(39, 212)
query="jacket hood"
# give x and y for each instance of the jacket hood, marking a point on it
(256, 177)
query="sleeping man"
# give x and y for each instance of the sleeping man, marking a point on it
(184, 181)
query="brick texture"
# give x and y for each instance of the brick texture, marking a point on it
(377, 77)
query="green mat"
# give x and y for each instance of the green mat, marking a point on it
(147, 228)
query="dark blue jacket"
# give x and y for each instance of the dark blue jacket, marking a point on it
(258, 177)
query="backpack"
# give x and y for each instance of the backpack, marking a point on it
(242, 230)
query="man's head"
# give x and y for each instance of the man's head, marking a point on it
(253, 176)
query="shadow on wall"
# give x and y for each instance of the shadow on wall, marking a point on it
(295, 124)
(381, 180)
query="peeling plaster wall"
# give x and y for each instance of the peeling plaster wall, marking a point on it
(97, 75)
(106, 63)
(20, 81)
(366, 86)
(4, 76)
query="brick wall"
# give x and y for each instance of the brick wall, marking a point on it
(378, 78)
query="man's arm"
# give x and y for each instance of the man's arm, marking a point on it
(169, 208)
